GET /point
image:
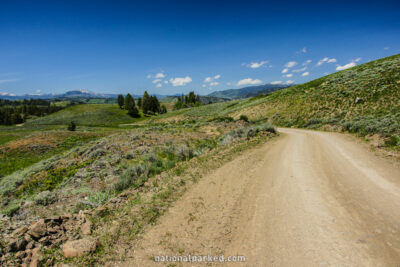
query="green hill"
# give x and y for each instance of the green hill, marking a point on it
(87, 114)
(364, 100)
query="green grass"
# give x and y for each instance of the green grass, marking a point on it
(12, 160)
(88, 115)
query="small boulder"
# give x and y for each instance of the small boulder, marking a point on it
(37, 229)
(79, 247)
(20, 231)
(86, 228)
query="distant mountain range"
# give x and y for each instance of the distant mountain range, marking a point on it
(217, 96)
(249, 91)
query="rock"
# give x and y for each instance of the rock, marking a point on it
(86, 228)
(20, 254)
(30, 245)
(66, 216)
(17, 245)
(100, 211)
(54, 219)
(20, 231)
(37, 229)
(37, 256)
(79, 247)
(45, 240)
(359, 100)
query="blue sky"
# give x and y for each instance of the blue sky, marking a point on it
(169, 47)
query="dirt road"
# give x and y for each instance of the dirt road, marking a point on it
(305, 199)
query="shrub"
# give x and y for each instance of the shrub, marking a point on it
(72, 126)
(100, 197)
(125, 180)
(11, 209)
(244, 118)
(45, 198)
(223, 119)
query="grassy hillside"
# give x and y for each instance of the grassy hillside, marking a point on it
(88, 114)
(247, 91)
(363, 100)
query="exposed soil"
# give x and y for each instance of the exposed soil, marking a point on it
(307, 198)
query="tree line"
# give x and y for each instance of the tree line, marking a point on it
(148, 104)
(187, 101)
(18, 111)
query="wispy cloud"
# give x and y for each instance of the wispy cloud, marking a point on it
(305, 74)
(6, 94)
(290, 64)
(256, 65)
(347, 66)
(159, 85)
(300, 70)
(289, 82)
(307, 62)
(327, 60)
(8, 80)
(211, 80)
(276, 82)
(180, 81)
(249, 81)
(352, 63)
(288, 75)
(302, 51)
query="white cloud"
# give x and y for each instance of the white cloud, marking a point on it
(228, 83)
(256, 65)
(305, 74)
(216, 77)
(276, 82)
(208, 80)
(285, 70)
(307, 62)
(148, 76)
(347, 66)
(159, 85)
(249, 81)
(6, 94)
(180, 81)
(302, 51)
(156, 81)
(300, 70)
(165, 82)
(203, 85)
(327, 60)
(356, 60)
(288, 75)
(160, 75)
(291, 64)
(214, 83)
(289, 82)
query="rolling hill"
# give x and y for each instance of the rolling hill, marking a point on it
(87, 114)
(364, 100)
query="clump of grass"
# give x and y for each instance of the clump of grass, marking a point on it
(45, 198)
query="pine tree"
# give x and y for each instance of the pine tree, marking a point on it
(120, 101)
(131, 106)
(146, 103)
